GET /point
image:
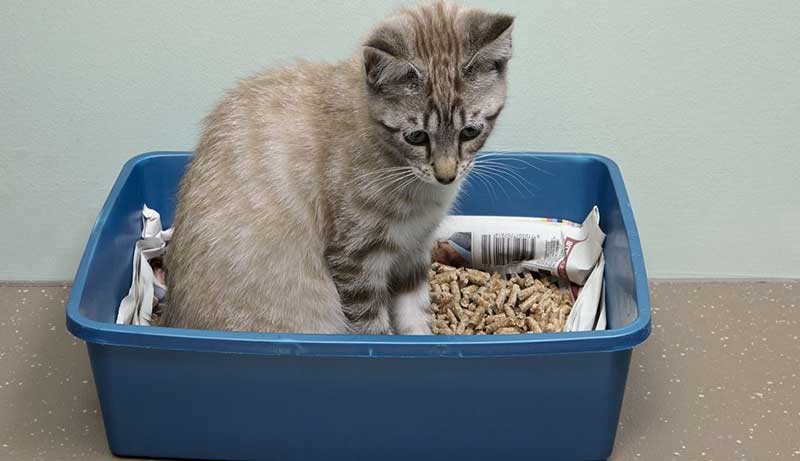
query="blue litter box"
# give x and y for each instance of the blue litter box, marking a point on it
(176, 393)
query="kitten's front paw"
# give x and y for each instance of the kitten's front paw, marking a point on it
(421, 329)
(412, 312)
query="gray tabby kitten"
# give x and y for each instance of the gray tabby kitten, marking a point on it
(313, 193)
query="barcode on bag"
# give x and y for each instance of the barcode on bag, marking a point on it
(502, 249)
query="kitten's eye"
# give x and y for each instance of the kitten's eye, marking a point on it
(470, 132)
(416, 138)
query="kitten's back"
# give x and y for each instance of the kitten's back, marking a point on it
(258, 166)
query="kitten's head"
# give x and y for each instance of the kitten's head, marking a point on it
(436, 82)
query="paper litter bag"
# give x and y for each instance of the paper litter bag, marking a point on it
(511, 244)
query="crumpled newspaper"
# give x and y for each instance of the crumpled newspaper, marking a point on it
(147, 287)
(564, 249)
(589, 306)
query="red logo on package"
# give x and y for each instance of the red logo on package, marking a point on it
(569, 244)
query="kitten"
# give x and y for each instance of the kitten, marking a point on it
(314, 190)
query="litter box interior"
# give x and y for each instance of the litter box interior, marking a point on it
(557, 186)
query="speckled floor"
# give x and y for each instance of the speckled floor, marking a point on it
(717, 380)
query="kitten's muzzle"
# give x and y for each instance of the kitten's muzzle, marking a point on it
(445, 180)
(445, 177)
(445, 170)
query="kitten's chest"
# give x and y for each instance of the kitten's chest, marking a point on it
(415, 231)
(413, 234)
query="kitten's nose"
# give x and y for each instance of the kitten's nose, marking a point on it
(445, 168)
(445, 179)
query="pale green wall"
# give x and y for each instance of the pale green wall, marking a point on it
(698, 101)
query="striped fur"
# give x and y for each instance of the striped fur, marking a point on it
(306, 209)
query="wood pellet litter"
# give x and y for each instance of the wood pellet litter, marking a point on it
(472, 302)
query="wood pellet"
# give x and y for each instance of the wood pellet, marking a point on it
(472, 302)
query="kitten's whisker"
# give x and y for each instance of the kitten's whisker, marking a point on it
(461, 194)
(394, 183)
(485, 158)
(505, 164)
(382, 188)
(538, 158)
(402, 185)
(515, 184)
(376, 186)
(380, 176)
(499, 175)
(527, 161)
(513, 156)
(483, 181)
(498, 162)
(382, 173)
(492, 180)
(519, 160)
(510, 170)
(501, 169)
(408, 182)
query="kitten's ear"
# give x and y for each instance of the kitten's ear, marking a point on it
(488, 39)
(382, 69)
(385, 53)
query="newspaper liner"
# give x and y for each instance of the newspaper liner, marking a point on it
(570, 251)
(137, 307)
